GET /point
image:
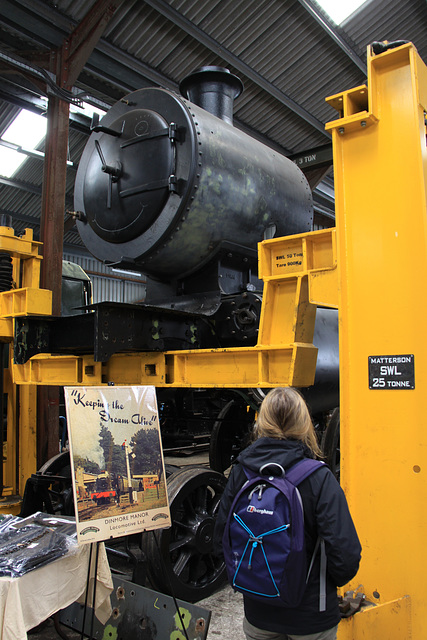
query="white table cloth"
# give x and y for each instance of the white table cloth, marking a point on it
(27, 601)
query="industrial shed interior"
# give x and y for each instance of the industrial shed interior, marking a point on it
(209, 198)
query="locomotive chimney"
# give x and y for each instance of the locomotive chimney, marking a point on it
(213, 89)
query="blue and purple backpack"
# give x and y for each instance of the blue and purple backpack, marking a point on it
(264, 542)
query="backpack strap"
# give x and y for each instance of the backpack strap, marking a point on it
(322, 594)
(302, 469)
(322, 587)
(296, 474)
(249, 473)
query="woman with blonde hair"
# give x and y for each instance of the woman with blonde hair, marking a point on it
(284, 435)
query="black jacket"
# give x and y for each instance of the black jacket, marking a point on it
(326, 515)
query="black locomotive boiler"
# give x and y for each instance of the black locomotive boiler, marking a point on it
(163, 181)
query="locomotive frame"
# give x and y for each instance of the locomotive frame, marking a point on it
(284, 353)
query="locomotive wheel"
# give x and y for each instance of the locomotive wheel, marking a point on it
(228, 436)
(50, 489)
(180, 559)
(331, 443)
(61, 488)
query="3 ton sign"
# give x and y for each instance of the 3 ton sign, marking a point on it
(391, 372)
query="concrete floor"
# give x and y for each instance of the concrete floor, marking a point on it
(227, 615)
(226, 608)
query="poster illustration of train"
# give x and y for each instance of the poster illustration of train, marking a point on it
(117, 461)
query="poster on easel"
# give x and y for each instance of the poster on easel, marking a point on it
(117, 464)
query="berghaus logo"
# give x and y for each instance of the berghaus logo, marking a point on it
(263, 512)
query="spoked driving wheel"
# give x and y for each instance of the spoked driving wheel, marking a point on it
(181, 559)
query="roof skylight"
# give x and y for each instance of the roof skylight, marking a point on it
(27, 131)
(339, 10)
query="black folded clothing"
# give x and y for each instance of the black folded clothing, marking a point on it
(29, 547)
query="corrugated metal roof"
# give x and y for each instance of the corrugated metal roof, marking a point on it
(280, 60)
(389, 20)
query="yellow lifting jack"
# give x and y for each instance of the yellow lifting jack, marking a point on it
(380, 168)
(19, 438)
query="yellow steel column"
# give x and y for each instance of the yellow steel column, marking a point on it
(27, 434)
(380, 163)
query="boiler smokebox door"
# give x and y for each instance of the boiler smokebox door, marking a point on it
(127, 179)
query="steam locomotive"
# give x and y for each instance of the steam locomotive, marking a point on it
(167, 186)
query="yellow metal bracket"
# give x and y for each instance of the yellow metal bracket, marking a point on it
(19, 246)
(297, 271)
(27, 298)
(388, 621)
(24, 302)
(353, 108)
(307, 254)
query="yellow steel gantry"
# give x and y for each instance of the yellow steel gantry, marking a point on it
(380, 168)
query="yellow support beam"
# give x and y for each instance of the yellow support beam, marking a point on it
(389, 621)
(380, 168)
(26, 298)
(284, 354)
(19, 247)
(6, 329)
(25, 302)
(20, 442)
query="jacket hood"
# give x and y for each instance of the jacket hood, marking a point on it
(267, 450)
